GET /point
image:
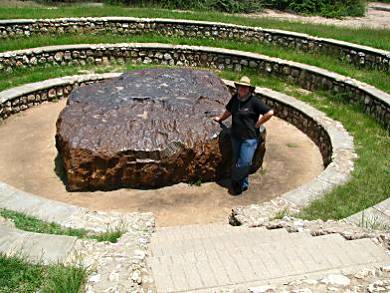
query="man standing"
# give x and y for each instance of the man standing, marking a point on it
(248, 114)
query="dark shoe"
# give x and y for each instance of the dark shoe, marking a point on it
(235, 192)
(235, 189)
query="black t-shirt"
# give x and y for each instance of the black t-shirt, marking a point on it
(245, 115)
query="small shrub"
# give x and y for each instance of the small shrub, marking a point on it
(197, 182)
(234, 6)
(230, 6)
(328, 8)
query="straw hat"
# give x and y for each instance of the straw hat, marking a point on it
(244, 81)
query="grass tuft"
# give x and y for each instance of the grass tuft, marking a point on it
(197, 182)
(18, 275)
(373, 223)
(281, 214)
(110, 236)
(33, 224)
(64, 279)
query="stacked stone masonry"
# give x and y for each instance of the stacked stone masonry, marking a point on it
(358, 55)
(305, 123)
(374, 101)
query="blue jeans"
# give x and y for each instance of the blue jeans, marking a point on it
(243, 150)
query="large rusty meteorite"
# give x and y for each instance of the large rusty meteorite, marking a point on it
(146, 129)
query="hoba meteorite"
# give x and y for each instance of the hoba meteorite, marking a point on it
(146, 129)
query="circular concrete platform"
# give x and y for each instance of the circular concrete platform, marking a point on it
(28, 154)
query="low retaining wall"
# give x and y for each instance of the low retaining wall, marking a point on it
(335, 144)
(362, 56)
(374, 101)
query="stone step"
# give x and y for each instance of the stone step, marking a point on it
(216, 267)
(204, 227)
(297, 243)
(19, 201)
(244, 239)
(36, 247)
(7, 237)
(199, 232)
(188, 231)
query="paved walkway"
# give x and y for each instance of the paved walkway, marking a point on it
(34, 246)
(205, 258)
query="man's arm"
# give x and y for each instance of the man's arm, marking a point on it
(223, 117)
(264, 118)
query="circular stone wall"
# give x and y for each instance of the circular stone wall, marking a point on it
(146, 129)
(351, 53)
(335, 145)
(374, 101)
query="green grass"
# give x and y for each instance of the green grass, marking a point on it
(373, 223)
(281, 214)
(376, 78)
(369, 182)
(17, 275)
(292, 145)
(32, 224)
(65, 279)
(197, 183)
(28, 75)
(378, 38)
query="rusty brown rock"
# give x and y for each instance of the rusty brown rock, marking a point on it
(146, 129)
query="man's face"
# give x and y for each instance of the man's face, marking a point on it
(243, 90)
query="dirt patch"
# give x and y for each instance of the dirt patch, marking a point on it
(27, 160)
(377, 16)
(13, 3)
